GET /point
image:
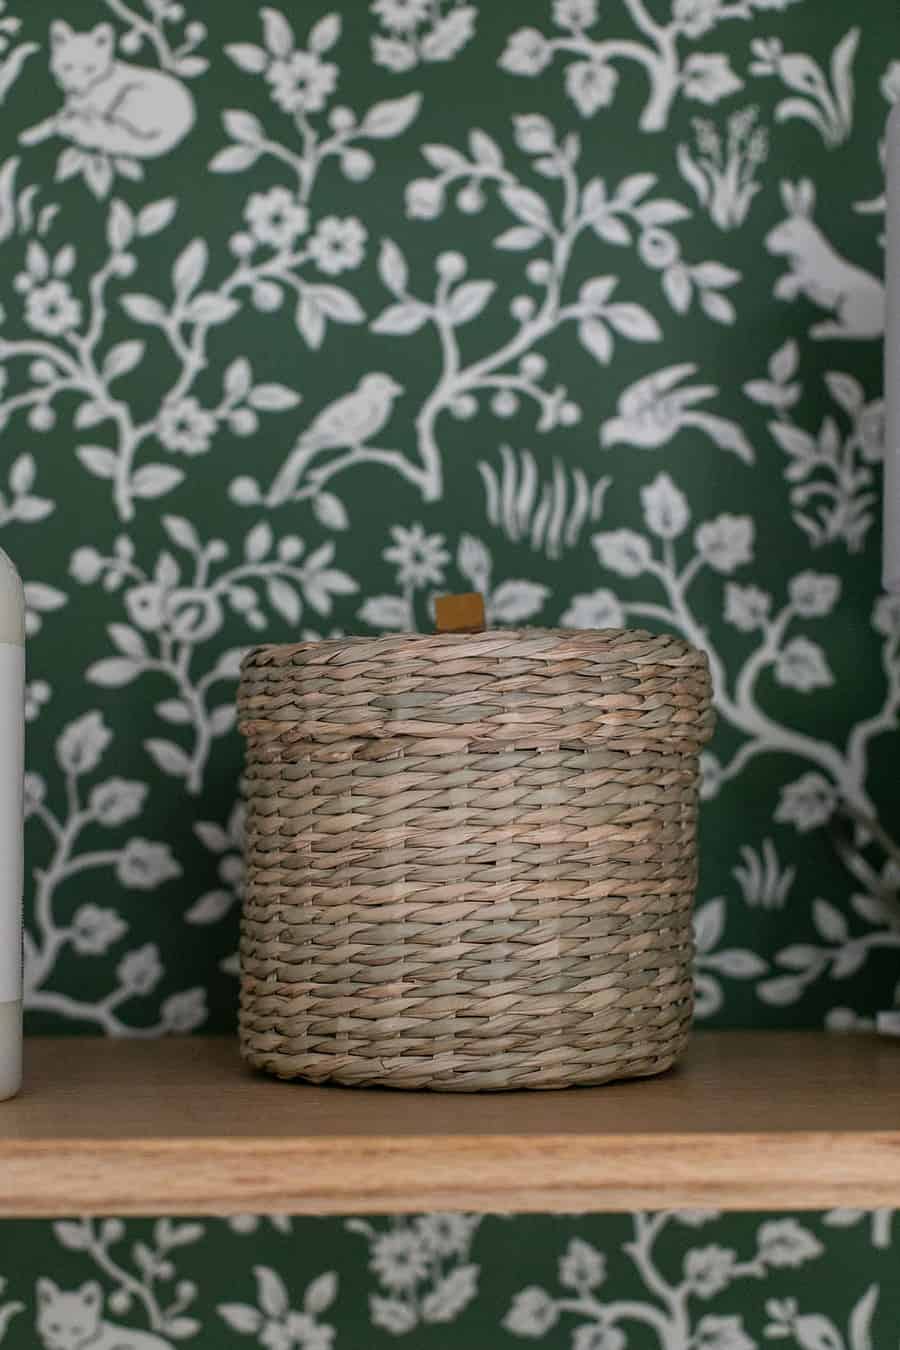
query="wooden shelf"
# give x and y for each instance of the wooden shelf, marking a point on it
(772, 1120)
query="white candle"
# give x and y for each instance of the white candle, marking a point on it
(892, 363)
(12, 738)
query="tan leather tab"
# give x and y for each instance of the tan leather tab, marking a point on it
(460, 613)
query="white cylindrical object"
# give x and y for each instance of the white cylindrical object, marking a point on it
(12, 747)
(892, 362)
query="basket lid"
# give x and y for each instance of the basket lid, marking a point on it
(523, 687)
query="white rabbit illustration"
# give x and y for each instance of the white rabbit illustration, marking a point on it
(820, 273)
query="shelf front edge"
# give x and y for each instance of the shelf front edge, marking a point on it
(497, 1173)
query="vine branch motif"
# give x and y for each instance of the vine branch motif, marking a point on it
(511, 371)
(592, 80)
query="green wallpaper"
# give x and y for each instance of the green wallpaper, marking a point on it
(307, 314)
(687, 1281)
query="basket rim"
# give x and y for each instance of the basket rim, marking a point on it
(383, 643)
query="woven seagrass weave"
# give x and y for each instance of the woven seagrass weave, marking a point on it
(471, 859)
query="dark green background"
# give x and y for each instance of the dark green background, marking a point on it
(855, 970)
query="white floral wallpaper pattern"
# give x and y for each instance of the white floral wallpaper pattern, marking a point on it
(311, 312)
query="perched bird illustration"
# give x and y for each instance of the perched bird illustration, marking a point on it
(348, 423)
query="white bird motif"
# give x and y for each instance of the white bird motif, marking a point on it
(652, 411)
(346, 424)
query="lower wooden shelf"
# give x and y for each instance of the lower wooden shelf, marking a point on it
(752, 1120)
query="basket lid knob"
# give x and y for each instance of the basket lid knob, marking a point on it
(460, 613)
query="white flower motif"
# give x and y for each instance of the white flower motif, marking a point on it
(401, 15)
(302, 82)
(666, 509)
(591, 85)
(399, 1259)
(726, 542)
(575, 13)
(532, 1314)
(95, 929)
(806, 803)
(747, 607)
(582, 1266)
(52, 309)
(708, 1270)
(708, 77)
(600, 609)
(185, 427)
(116, 801)
(338, 245)
(445, 1234)
(814, 594)
(276, 217)
(527, 53)
(420, 558)
(786, 1244)
(801, 665)
(141, 970)
(143, 865)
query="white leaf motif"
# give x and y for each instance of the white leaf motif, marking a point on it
(515, 601)
(388, 612)
(392, 267)
(320, 1294)
(400, 320)
(154, 480)
(519, 237)
(392, 117)
(168, 757)
(623, 551)
(324, 34)
(190, 265)
(469, 300)
(277, 32)
(527, 205)
(450, 1295)
(271, 1291)
(247, 56)
(709, 925)
(633, 322)
(830, 922)
(666, 509)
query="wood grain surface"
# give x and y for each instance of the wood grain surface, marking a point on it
(752, 1120)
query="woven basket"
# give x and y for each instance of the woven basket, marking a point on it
(471, 858)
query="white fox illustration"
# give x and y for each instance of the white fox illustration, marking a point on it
(73, 1320)
(111, 106)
